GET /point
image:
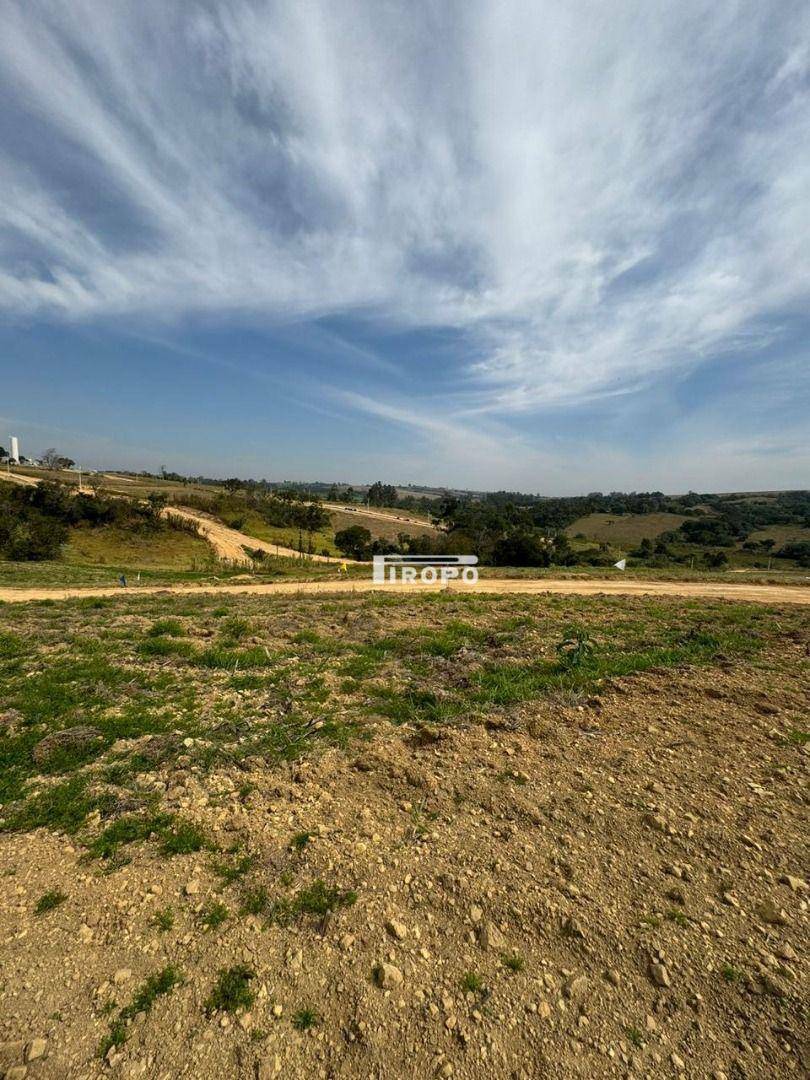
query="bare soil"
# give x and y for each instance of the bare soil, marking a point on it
(607, 880)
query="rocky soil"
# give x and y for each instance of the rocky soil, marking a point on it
(578, 886)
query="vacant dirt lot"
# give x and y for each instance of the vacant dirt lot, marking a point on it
(403, 836)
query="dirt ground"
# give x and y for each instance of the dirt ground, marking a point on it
(764, 594)
(603, 881)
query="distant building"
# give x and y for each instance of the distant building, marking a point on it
(14, 450)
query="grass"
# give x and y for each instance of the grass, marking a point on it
(315, 899)
(730, 973)
(232, 990)
(634, 1036)
(472, 983)
(162, 982)
(305, 1019)
(513, 962)
(321, 671)
(235, 869)
(163, 920)
(108, 545)
(49, 900)
(213, 916)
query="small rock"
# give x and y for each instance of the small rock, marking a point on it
(246, 1021)
(122, 975)
(388, 976)
(660, 975)
(16, 1072)
(397, 929)
(192, 887)
(655, 821)
(543, 1010)
(476, 914)
(795, 884)
(277, 1010)
(491, 938)
(575, 986)
(35, 1049)
(613, 976)
(677, 1062)
(771, 913)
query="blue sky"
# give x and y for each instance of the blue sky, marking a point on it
(558, 248)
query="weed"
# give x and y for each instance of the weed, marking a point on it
(304, 1019)
(213, 916)
(300, 841)
(730, 973)
(163, 919)
(635, 1036)
(183, 837)
(472, 983)
(232, 990)
(162, 982)
(127, 830)
(677, 916)
(230, 872)
(575, 649)
(165, 628)
(513, 961)
(49, 900)
(316, 899)
(255, 901)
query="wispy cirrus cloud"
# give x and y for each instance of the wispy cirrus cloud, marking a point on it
(593, 198)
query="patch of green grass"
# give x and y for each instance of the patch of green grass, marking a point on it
(513, 961)
(220, 656)
(127, 830)
(316, 899)
(163, 920)
(255, 901)
(796, 737)
(162, 982)
(49, 900)
(213, 915)
(730, 973)
(61, 807)
(232, 990)
(415, 706)
(235, 628)
(165, 628)
(677, 916)
(159, 646)
(300, 841)
(233, 871)
(634, 1036)
(472, 983)
(305, 1019)
(183, 837)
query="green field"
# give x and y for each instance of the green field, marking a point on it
(624, 530)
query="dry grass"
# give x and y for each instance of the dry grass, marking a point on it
(624, 529)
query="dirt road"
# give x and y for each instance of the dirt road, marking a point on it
(230, 543)
(381, 515)
(762, 594)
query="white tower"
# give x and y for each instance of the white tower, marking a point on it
(14, 451)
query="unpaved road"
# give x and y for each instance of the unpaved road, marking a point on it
(230, 543)
(761, 594)
(381, 515)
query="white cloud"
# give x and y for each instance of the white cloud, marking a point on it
(594, 195)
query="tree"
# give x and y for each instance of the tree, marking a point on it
(233, 484)
(355, 542)
(3, 453)
(52, 459)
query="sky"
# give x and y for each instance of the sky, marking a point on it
(547, 247)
